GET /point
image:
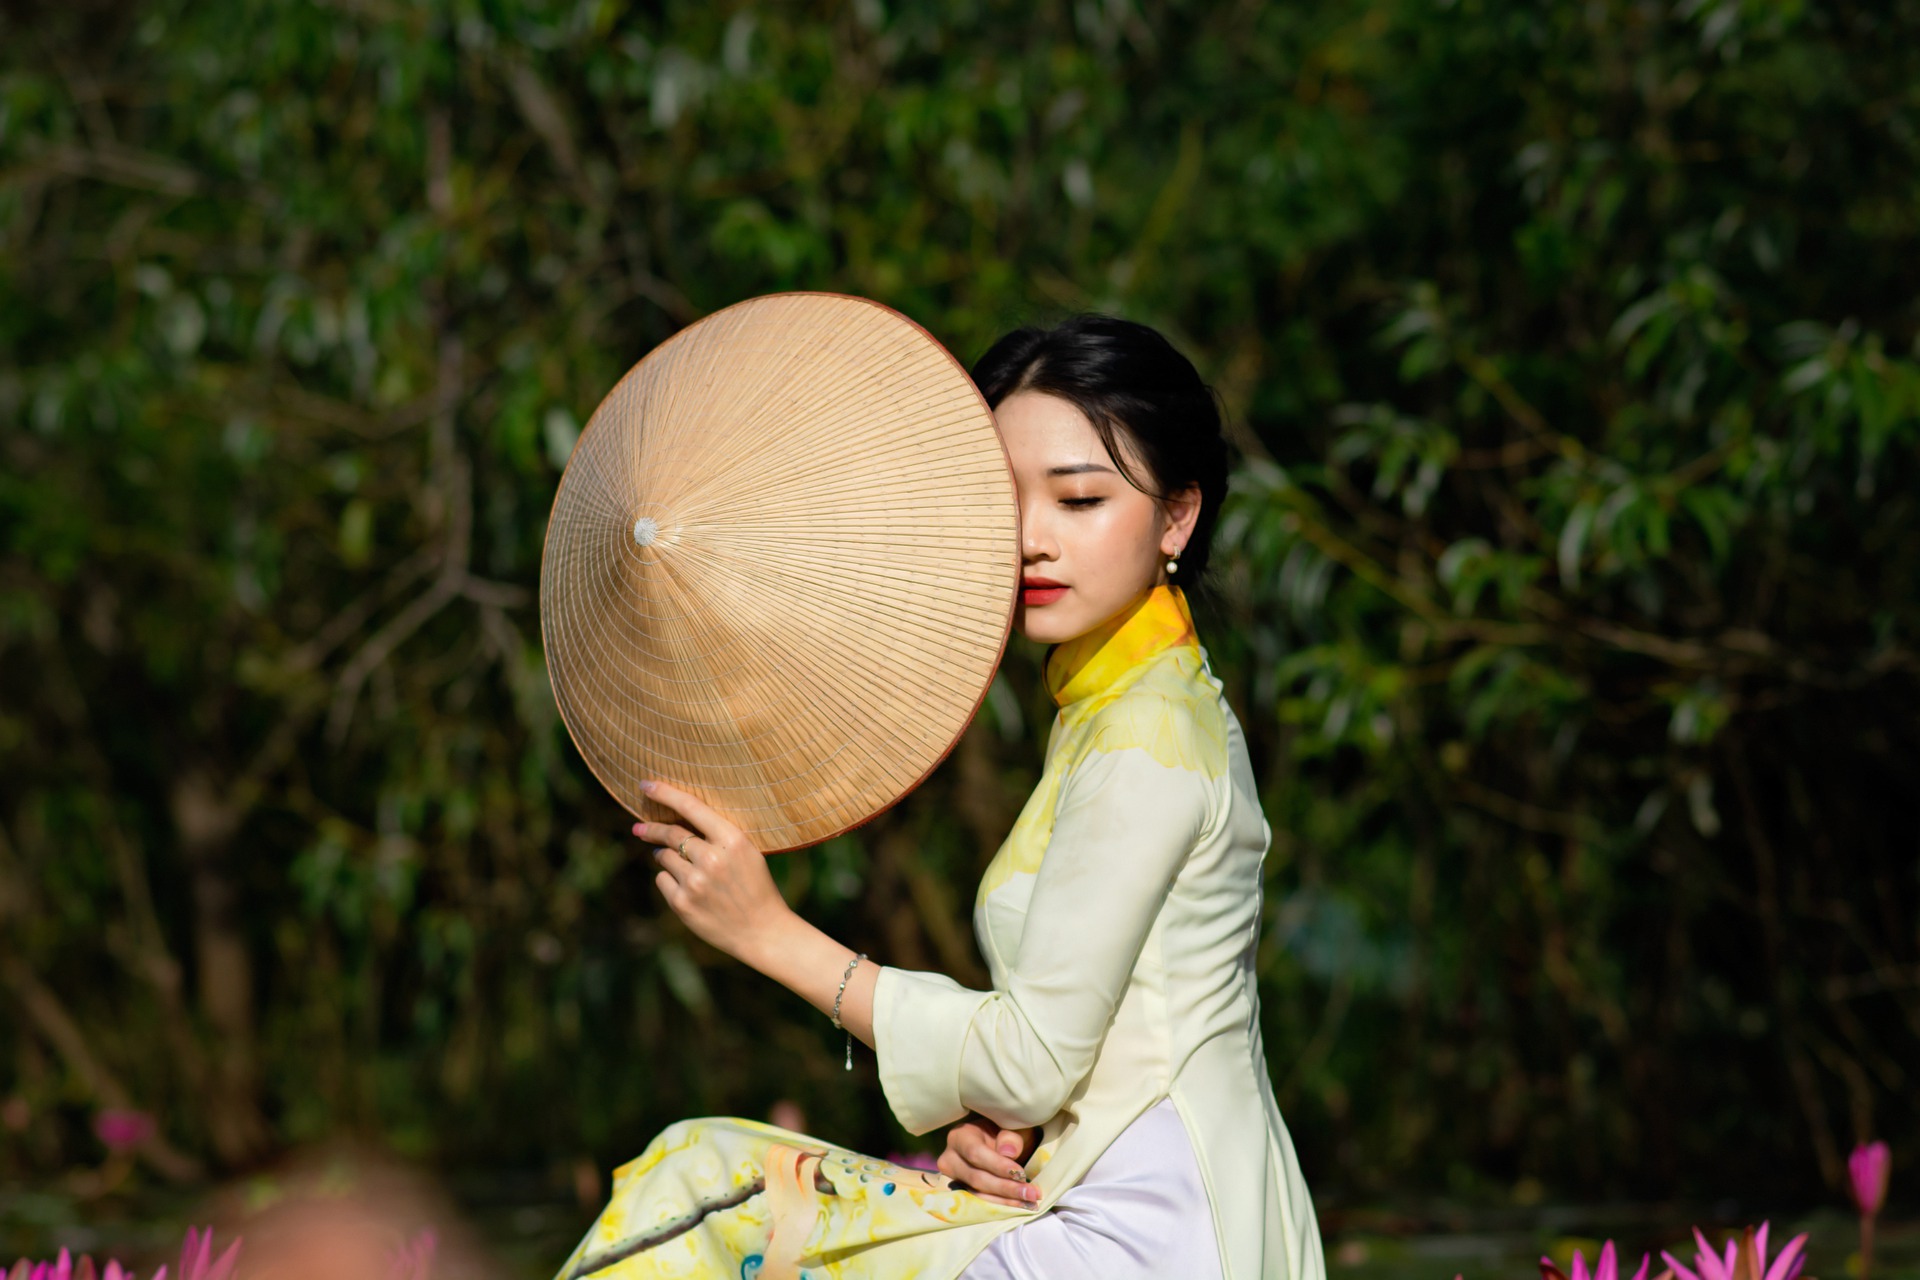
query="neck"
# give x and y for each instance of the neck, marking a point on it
(1093, 662)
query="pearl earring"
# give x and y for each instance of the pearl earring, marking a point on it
(1173, 564)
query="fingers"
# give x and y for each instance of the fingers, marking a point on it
(667, 836)
(675, 868)
(1013, 1143)
(973, 1146)
(725, 892)
(711, 826)
(986, 1184)
(975, 1161)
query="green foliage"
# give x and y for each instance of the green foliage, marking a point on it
(1567, 589)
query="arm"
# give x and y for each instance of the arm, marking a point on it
(721, 887)
(1123, 827)
(723, 890)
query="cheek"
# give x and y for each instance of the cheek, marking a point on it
(1121, 535)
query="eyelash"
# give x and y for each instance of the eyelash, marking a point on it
(1081, 502)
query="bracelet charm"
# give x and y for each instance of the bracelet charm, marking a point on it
(840, 995)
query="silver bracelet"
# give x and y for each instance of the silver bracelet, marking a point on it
(840, 995)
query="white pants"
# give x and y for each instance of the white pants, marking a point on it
(1140, 1214)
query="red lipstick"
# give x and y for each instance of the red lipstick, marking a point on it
(1038, 591)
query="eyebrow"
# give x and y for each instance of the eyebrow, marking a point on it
(1079, 468)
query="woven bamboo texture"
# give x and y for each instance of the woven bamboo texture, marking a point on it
(781, 567)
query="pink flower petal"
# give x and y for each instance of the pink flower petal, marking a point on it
(1580, 1266)
(1681, 1271)
(1792, 1258)
(1867, 1170)
(1608, 1268)
(1646, 1260)
(1705, 1257)
(223, 1269)
(123, 1129)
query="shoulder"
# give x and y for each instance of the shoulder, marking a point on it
(1172, 713)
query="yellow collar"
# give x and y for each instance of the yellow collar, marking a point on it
(1094, 662)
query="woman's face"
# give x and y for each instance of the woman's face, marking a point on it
(1090, 543)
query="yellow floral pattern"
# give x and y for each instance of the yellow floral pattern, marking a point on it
(729, 1199)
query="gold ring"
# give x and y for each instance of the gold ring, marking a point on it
(682, 847)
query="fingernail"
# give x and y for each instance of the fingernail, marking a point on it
(648, 787)
(1031, 1193)
(1009, 1148)
(1017, 1174)
(639, 828)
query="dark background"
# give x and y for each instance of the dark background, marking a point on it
(1567, 593)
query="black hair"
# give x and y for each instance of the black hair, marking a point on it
(1129, 380)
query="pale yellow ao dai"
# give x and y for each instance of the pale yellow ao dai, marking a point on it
(1118, 922)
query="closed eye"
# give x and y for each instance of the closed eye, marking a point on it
(1081, 502)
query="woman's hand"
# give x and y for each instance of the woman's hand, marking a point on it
(711, 875)
(983, 1156)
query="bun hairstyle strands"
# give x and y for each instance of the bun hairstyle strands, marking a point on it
(1145, 399)
(781, 567)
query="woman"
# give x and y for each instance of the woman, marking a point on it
(1108, 1098)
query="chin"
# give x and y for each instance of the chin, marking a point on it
(1036, 625)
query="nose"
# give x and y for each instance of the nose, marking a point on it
(1036, 540)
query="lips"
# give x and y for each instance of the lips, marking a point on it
(1040, 591)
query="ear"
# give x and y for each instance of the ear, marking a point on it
(1182, 509)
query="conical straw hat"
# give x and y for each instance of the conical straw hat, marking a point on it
(781, 566)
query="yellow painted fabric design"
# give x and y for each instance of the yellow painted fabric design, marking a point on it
(1099, 660)
(729, 1199)
(1178, 730)
(1138, 682)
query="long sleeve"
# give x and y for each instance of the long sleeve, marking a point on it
(1123, 826)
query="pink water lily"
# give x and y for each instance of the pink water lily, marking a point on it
(1743, 1259)
(196, 1263)
(1867, 1170)
(66, 1268)
(123, 1129)
(1607, 1267)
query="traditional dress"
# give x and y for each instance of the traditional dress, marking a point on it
(1119, 922)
